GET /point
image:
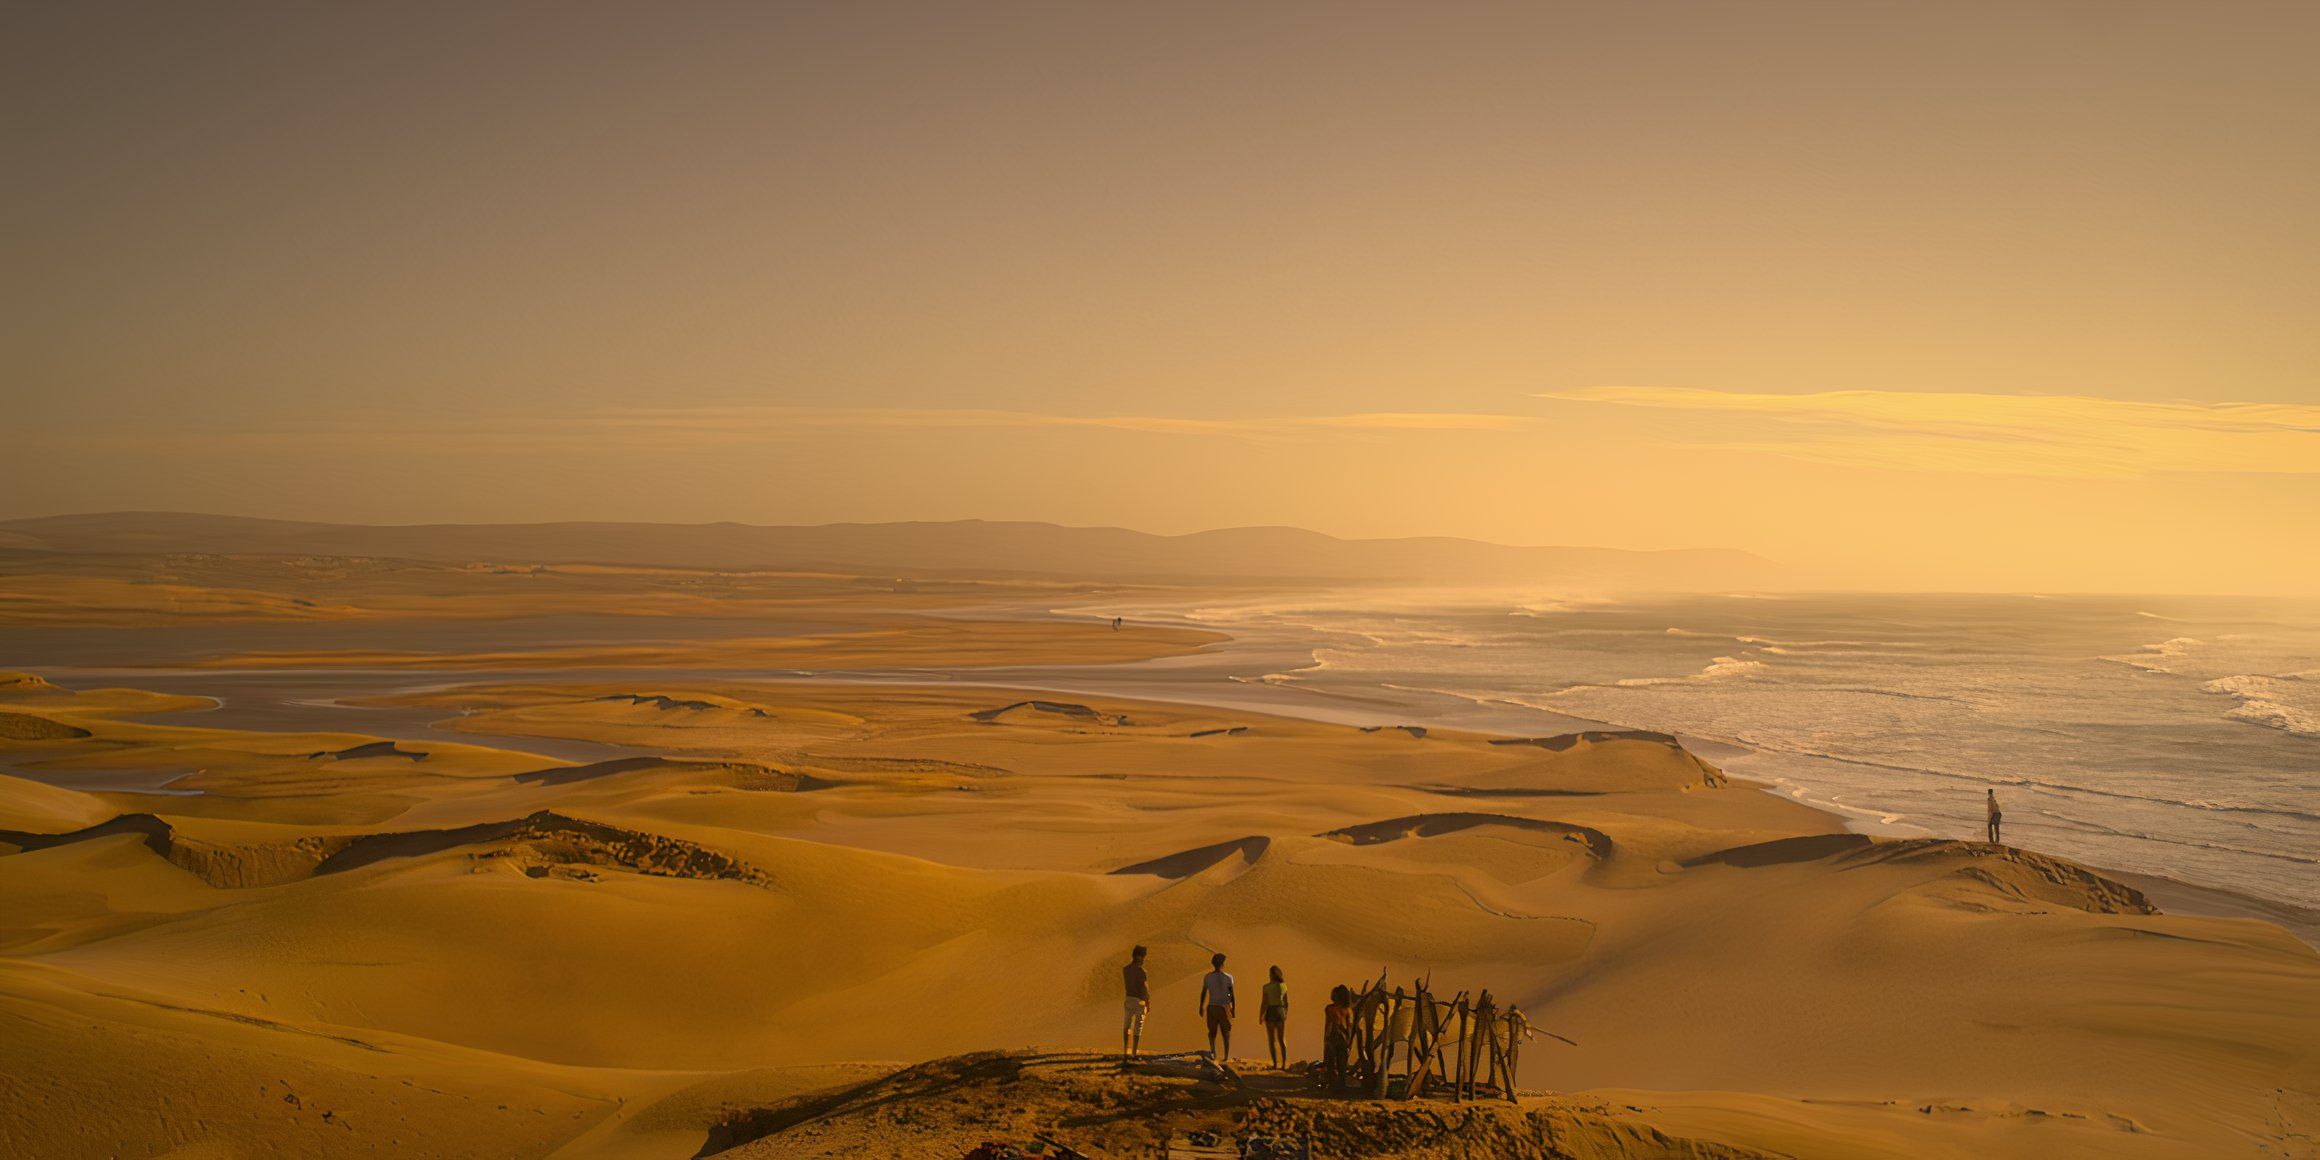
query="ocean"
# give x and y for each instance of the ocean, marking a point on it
(2170, 736)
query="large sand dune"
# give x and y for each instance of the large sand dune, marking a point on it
(336, 944)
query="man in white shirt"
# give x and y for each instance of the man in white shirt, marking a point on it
(1216, 1002)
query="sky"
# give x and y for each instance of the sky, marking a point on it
(2015, 296)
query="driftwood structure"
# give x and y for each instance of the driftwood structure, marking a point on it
(1470, 1046)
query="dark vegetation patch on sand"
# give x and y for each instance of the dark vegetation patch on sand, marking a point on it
(734, 774)
(27, 727)
(1562, 741)
(368, 749)
(1063, 709)
(545, 838)
(667, 703)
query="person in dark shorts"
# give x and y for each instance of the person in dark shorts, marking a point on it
(1997, 817)
(1217, 1005)
(1273, 1012)
(1139, 1001)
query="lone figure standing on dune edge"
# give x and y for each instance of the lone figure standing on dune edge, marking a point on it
(1996, 816)
(1216, 1002)
(1139, 1000)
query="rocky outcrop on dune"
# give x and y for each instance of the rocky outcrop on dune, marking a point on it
(1417, 731)
(12, 684)
(1087, 1103)
(2035, 879)
(1557, 1131)
(1033, 710)
(1186, 863)
(740, 775)
(1596, 842)
(26, 727)
(542, 843)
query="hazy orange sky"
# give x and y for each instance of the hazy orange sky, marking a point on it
(1958, 295)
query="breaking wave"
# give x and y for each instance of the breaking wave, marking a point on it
(2290, 704)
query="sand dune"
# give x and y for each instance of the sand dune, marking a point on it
(667, 954)
(1592, 763)
(1597, 843)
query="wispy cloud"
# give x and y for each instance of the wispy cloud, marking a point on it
(676, 427)
(763, 421)
(2047, 435)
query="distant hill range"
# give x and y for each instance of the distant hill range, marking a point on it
(955, 549)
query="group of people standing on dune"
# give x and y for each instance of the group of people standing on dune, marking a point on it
(1219, 1005)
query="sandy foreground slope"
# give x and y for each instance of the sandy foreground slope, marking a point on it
(342, 946)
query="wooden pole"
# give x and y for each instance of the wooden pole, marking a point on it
(1486, 1027)
(1466, 1047)
(1517, 1027)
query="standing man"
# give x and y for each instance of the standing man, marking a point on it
(1216, 1002)
(1996, 816)
(1139, 1000)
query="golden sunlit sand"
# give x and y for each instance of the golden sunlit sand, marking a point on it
(613, 580)
(731, 932)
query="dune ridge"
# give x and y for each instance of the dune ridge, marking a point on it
(550, 837)
(1187, 863)
(741, 775)
(1597, 843)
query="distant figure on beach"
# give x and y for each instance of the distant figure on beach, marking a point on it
(1996, 816)
(1139, 1000)
(1115, 624)
(1216, 1002)
(1273, 1011)
(1337, 1035)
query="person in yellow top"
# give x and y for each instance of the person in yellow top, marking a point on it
(1274, 1012)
